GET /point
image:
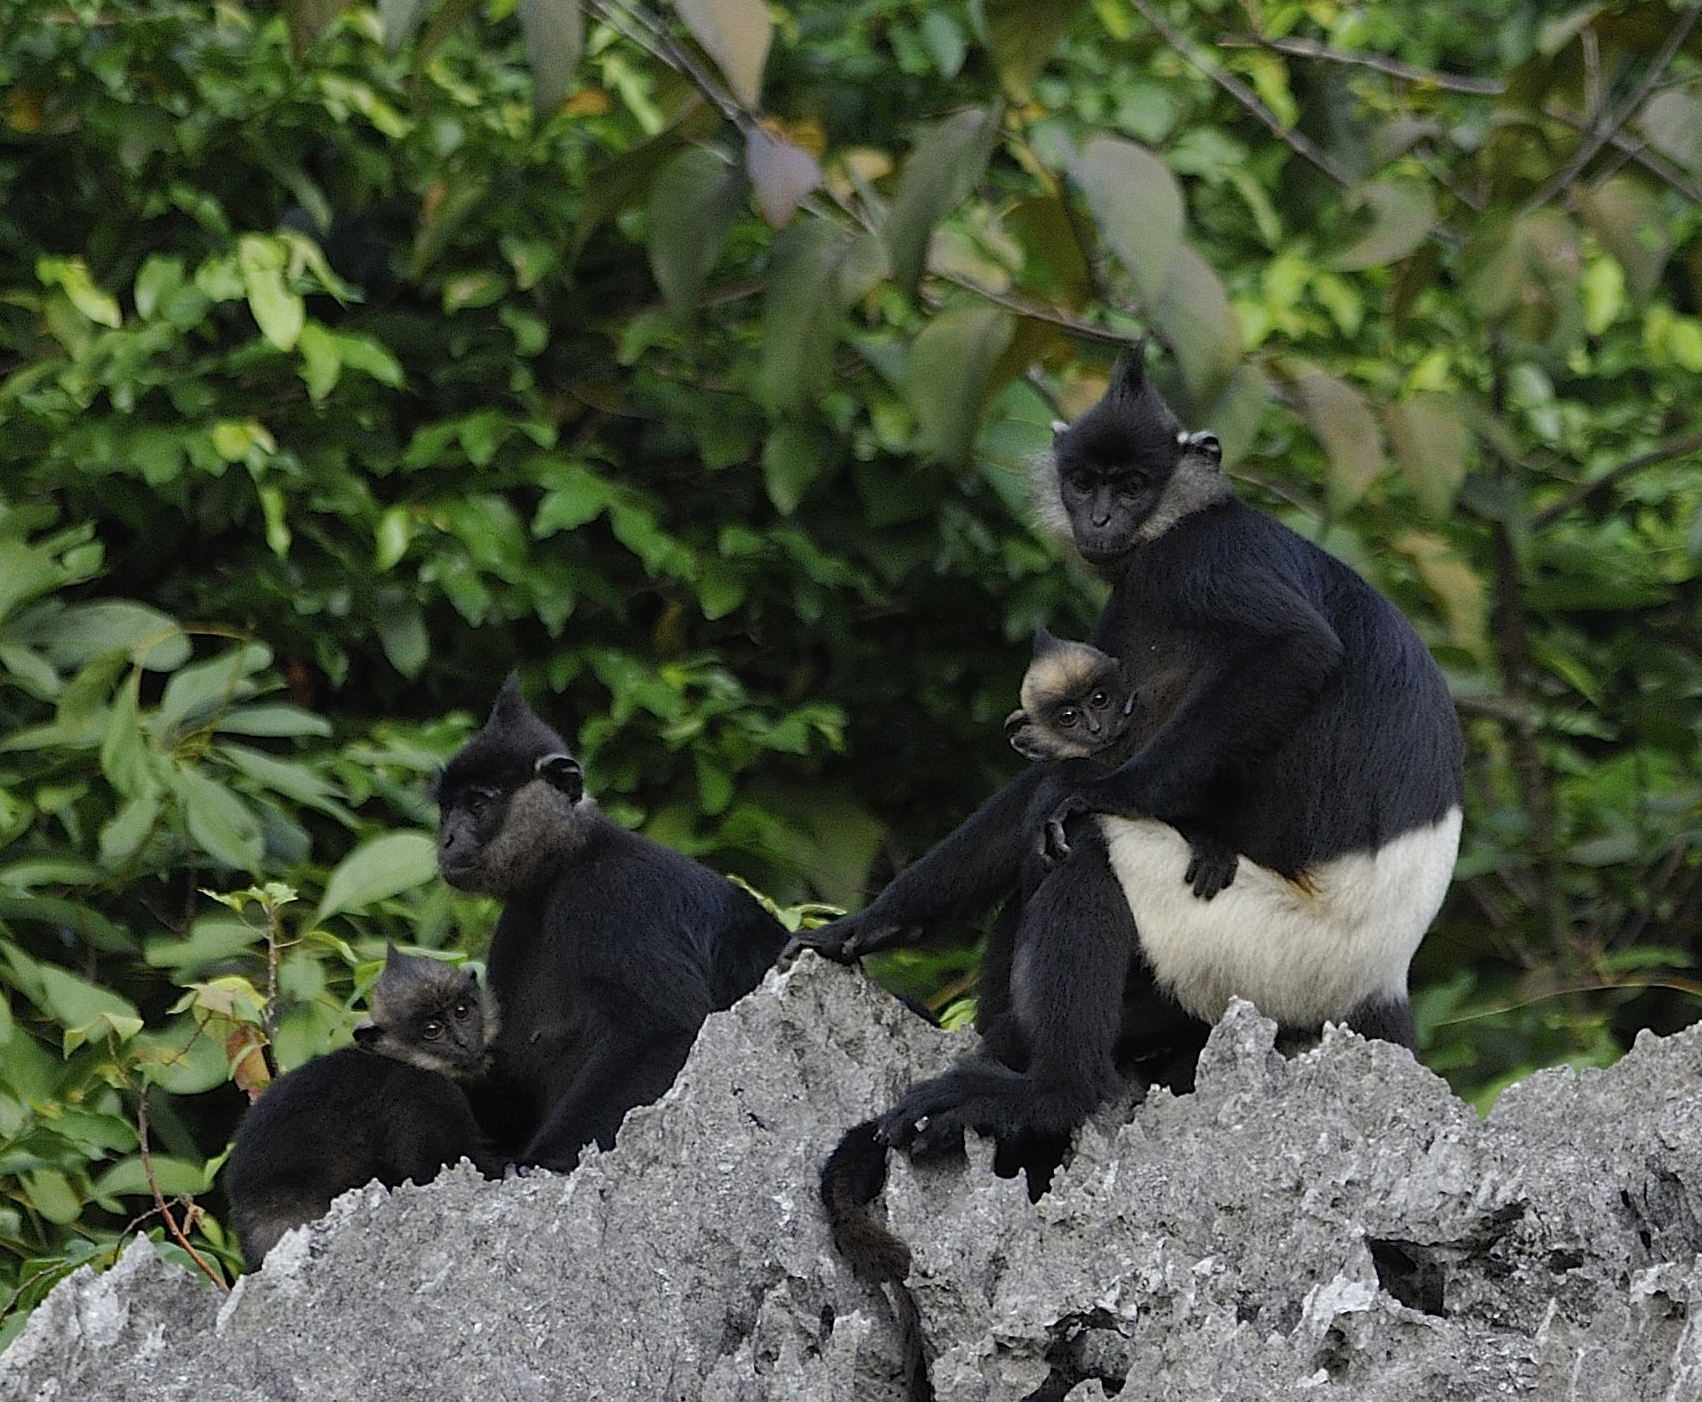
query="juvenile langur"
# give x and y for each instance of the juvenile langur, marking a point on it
(391, 1107)
(610, 951)
(1079, 703)
(1287, 708)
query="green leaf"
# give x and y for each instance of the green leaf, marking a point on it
(554, 31)
(195, 692)
(1630, 222)
(158, 277)
(77, 1004)
(25, 573)
(124, 757)
(1428, 434)
(693, 204)
(279, 312)
(71, 276)
(1672, 124)
(1137, 207)
(402, 633)
(122, 836)
(1403, 212)
(399, 19)
(1023, 35)
(79, 633)
(817, 273)
(736, 34)
(378, 870)
(272, 719)
(50, 1193)
(789, 464)
(1197, 322)
(781, 172)
(945, 162)
(949, 373)
(129, 1178)
(219, 822)
(321, 366)
(1343, 423)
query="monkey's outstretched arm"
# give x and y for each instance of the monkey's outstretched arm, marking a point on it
(629, 1068)
(961, 875)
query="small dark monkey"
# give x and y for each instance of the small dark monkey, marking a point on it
(611, 948)
(1079, 703)
(391, 1107)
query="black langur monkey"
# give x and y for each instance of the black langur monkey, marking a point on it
(611, 948)
(1288, 709)
(391, 1107)
(1079, 703)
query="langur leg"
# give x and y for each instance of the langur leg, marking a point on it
(1073, 945)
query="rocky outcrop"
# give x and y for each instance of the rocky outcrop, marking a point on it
(1332, 1224)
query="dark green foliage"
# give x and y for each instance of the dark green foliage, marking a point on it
(335, 383)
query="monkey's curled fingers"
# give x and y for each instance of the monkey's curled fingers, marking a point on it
(849, 938)
(1211, 867)
(1054, 841)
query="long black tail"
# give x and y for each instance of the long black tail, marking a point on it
(851, 1179)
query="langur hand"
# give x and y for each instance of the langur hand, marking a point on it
(1054, 843)
(851, 937)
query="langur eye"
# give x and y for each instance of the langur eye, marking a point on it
(475, 808)
(1099, 700)
(462, 1010)
(432, 1030)
(1067, 717)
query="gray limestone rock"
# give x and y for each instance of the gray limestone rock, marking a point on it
(1332, 1224)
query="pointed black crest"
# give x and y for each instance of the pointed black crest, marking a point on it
(510, 701)
(1128, 375)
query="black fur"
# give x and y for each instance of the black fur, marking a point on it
(611, 948)
(388, 1108)
(1079, 702)
(851, 1179)
(1289, 715)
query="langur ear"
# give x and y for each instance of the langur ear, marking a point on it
(562, 772)
(1203, 443)
(1044, 643)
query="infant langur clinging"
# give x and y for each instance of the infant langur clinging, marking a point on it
(1080, 703)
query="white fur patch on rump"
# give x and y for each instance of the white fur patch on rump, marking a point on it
(1301, 954)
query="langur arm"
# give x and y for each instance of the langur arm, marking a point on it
(962, 874)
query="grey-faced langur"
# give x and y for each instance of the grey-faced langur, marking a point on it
(610, 951)
(1287, 710)
(391, 1107)
(1079, 703)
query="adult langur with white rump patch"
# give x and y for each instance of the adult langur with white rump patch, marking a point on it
(1288, 711)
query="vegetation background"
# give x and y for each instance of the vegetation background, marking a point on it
(687, 356)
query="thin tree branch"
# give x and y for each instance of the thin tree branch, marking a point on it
(1674, 448)
(171, 1224)
(1037, 311)
(1604, 131)
(1652, 161)
(1390, 67)
(654, 38)
(1300, 144)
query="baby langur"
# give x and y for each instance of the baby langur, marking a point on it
(391, 1107)
(1079, 703)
